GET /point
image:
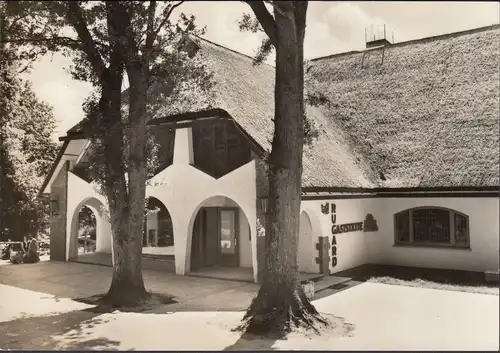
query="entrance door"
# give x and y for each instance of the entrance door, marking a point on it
(228, 235)
(205, 242)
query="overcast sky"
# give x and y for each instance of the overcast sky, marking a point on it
(332, 27)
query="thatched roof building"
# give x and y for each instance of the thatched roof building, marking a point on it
(422, 113)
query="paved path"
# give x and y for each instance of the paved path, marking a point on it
(371, 315)
(76, 280)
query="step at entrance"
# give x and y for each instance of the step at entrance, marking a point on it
(159, 257)
(328, 282)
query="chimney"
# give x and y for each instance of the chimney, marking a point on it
(377, 36)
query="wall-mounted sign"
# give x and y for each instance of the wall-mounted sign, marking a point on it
(332, 210)
(370, 224)
(323, 260)
(340, 228)
(347, 227)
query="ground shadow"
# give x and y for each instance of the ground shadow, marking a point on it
(63, 331)
(249, 342)
(338, 327)
(156, 300)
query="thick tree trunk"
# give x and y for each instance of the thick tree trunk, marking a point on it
(128, 284)
(281, 301)
(127, 287)
(125, 201)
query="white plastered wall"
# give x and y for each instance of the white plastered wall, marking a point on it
(183, 189)
(81, 193)
(483, 216)
(350, 246)
(357, 248)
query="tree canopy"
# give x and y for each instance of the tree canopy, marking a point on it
(28, 149)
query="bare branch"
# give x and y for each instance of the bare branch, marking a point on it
(265, 18)
(165, 19)
(172, 8)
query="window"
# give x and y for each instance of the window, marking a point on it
(431, 226)
(219, 148)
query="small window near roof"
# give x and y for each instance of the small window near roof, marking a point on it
(431, 226)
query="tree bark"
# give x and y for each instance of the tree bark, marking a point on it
(281, 302)
(126, 202)
(127, 284)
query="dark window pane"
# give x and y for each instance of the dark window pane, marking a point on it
(461, 230)
(233, 142)
(219, 137)
(431, 226)
(403, 227)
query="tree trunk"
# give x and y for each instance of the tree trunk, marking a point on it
(127, 285)
(281, 301)
(128, 282)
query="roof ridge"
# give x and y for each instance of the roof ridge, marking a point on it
(228, 49)
(415, 41)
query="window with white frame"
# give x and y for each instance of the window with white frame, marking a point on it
(431, 226)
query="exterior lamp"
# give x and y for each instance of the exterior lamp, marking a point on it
(54, 206)
(263, 204)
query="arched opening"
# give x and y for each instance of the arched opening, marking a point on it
(90, 230)
(158, 235)
(306, 245)
(221, 240)
(87, 232)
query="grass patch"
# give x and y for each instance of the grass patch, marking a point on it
(420, 283)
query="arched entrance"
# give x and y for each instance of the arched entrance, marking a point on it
(221, 237)
(158, 236)
(90, 230)
(306, 245)
(87, 232)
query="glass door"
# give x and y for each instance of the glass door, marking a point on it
(228, 235)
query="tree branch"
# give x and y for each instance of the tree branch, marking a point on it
(62, 41)
(13, 23)
(265, 18)
(75, 17)
(165, 19)
(150, 37)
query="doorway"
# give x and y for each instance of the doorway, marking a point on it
(215, 238)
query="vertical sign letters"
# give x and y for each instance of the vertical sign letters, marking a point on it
(333, 216)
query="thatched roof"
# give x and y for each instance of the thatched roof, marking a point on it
(246, 92)
(427, 116)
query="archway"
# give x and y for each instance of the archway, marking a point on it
(220, 237)
(90, 229)
(306, 245)
(158, 235)
(87, 232)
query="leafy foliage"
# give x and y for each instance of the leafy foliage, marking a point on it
(173, 75)
(250, 23)
(26, 127)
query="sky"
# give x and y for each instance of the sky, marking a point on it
(332, 27)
